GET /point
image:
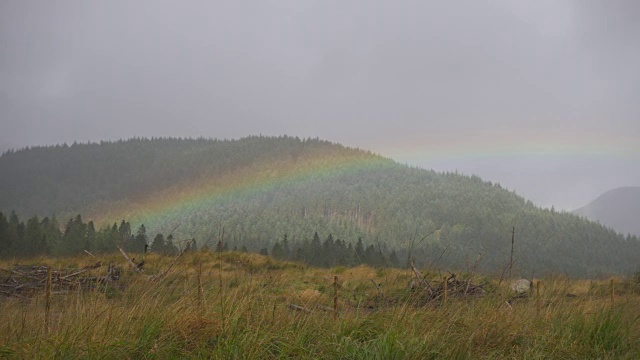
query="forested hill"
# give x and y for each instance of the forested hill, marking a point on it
(256, 190)
(618, 208)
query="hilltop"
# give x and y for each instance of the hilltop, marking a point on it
(618, 208)
(256, 190)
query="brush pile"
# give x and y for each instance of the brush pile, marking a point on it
(25, 281)
(451, 285)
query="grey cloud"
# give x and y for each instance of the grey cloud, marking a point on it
(357, 72)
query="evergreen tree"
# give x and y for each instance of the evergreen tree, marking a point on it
(315, 251)
(140, 240)
(16, 233)
(74, 237)
(158, 245)
(170, 247)
(359, 252)
(286, 250)
(33, 238)
(90, 237)
(51, 230)
(125, 234)
(5, 246)
(327, 254)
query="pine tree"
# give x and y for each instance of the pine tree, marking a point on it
(315, 251)
(328, 255)
(359, 252)
(33, 238)
(51, 230)
(90, 238)
(170, 247)
(159, 246)
(286, 250)
(16, 233)
(125, 234)
(140, 240)
(5, 246)
(74, 236)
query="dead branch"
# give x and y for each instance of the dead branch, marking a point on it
(421, 278)
(472, 272)
(131, 263)
(300, 308)
(24, 281)
(84, 270)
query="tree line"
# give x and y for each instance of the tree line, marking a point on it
(45, 237)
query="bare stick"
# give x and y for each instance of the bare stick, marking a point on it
(538, 296)
(444, 294)
(421, 278)
(335, 296)
(85, 269)
(200, 292)
(89, 253)
(299, 308)
(441, 255)
(612, 292)
(380, 292)
(472, 272)
(48, 300)
(324, 308)
(513, 235)
(131, 263)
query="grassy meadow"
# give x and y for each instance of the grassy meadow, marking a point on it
(247, 306)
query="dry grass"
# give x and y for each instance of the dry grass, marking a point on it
(242, 312)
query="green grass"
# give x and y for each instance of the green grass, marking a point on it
(242, 312)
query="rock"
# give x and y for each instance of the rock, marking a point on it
(521, 286)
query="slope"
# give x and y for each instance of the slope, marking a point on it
(618, 208)
(258, 189)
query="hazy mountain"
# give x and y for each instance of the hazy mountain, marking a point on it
(618, 208)
(258, 189)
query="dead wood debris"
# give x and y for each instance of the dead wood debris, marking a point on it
(27, 280)
(455, 287)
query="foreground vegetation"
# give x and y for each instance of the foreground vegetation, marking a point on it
(240, 305)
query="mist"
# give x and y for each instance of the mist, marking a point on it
(540, 97)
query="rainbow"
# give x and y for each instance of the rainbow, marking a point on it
(212, 190)
(497, 144)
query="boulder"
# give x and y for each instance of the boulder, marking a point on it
(521, 286)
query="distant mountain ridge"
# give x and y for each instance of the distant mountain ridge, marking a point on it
(258, 189)
(618, 208)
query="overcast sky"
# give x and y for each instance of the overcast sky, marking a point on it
(540, 96)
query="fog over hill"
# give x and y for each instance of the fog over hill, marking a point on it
(533, 95)
(617, 208)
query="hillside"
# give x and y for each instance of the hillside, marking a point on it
(618, 208)
(258, 189)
